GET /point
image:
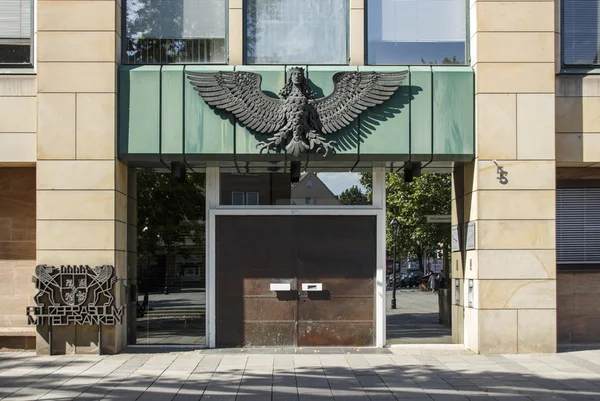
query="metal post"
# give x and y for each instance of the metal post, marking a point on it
(50, 339)
(394, 275)
(99, 339)
(167, 274)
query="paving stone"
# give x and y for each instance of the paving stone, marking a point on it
(189, 376)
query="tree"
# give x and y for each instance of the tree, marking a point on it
(410, 203)
(353, 196)
(169, 211)
(446, 60)
(157, 32)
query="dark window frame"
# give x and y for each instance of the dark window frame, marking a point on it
(569, 266)
(28, 65)
(564, 65)
(233, 194)
(248, 197)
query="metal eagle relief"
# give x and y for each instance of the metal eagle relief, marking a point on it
(74, 295)
(298, 122)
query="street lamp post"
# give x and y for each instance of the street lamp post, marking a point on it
(395, 226)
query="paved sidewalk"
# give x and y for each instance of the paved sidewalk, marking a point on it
(309, 374)
(416, 320)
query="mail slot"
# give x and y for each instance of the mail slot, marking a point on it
(312, 287)
(280, 287)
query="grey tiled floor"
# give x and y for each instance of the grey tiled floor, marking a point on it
(416, 319)
(402, 374)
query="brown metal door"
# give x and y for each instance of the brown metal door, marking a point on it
(339, 253)
(252, 252)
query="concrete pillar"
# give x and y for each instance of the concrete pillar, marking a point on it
(82, 192)
(508, 286)
(357, 32)
(236, 33)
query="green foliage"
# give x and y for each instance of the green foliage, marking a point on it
(353, 196)
(446, 60)
(169, 211)
(410, 203)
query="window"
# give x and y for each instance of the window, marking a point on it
(175, 31)
(308, 183)
(252, 198)
(307, 201)
(297, 31)
(416, 32)
(577, 226)
(581, 37)
(15, 32)
(237, 198)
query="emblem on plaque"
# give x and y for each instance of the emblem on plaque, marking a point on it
(297, 122)
(74, 295)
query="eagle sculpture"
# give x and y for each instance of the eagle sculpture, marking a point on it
(297, 122)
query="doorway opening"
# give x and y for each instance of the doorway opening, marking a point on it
(171, 268)
(295, 260)
(418, 310)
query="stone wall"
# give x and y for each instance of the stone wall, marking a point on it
(82, 187)
(17, 255)
(577, 120)
(511, 268)
(18, 121)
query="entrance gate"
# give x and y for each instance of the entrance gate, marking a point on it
(329, 263)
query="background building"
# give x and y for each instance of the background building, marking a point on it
(503, 94)
(310, 190)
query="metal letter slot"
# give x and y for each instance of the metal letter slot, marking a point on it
(312, 287)
(280, 287)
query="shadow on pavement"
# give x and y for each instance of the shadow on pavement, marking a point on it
(195, 377)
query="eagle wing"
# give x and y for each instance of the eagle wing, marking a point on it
(239, 92)
(354, 92)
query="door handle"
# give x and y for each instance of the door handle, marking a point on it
(312, 287)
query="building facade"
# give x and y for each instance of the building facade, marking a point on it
(502, 94)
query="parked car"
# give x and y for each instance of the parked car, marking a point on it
(411, 278)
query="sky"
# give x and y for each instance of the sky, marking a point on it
(338, 182)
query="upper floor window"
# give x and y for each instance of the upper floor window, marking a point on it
(581, 36)
(413, 32)
(15, 32)
(175, 31)
(296, 31)
(237, 198)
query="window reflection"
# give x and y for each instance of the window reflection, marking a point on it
(296, 31)
(312, 188)
(171, 269)
(416, 32)
(175, 31)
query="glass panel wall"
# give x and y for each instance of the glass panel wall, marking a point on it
(171, 259)
(413, 32)
(310, 188)
(296, 31)
(175, 31)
